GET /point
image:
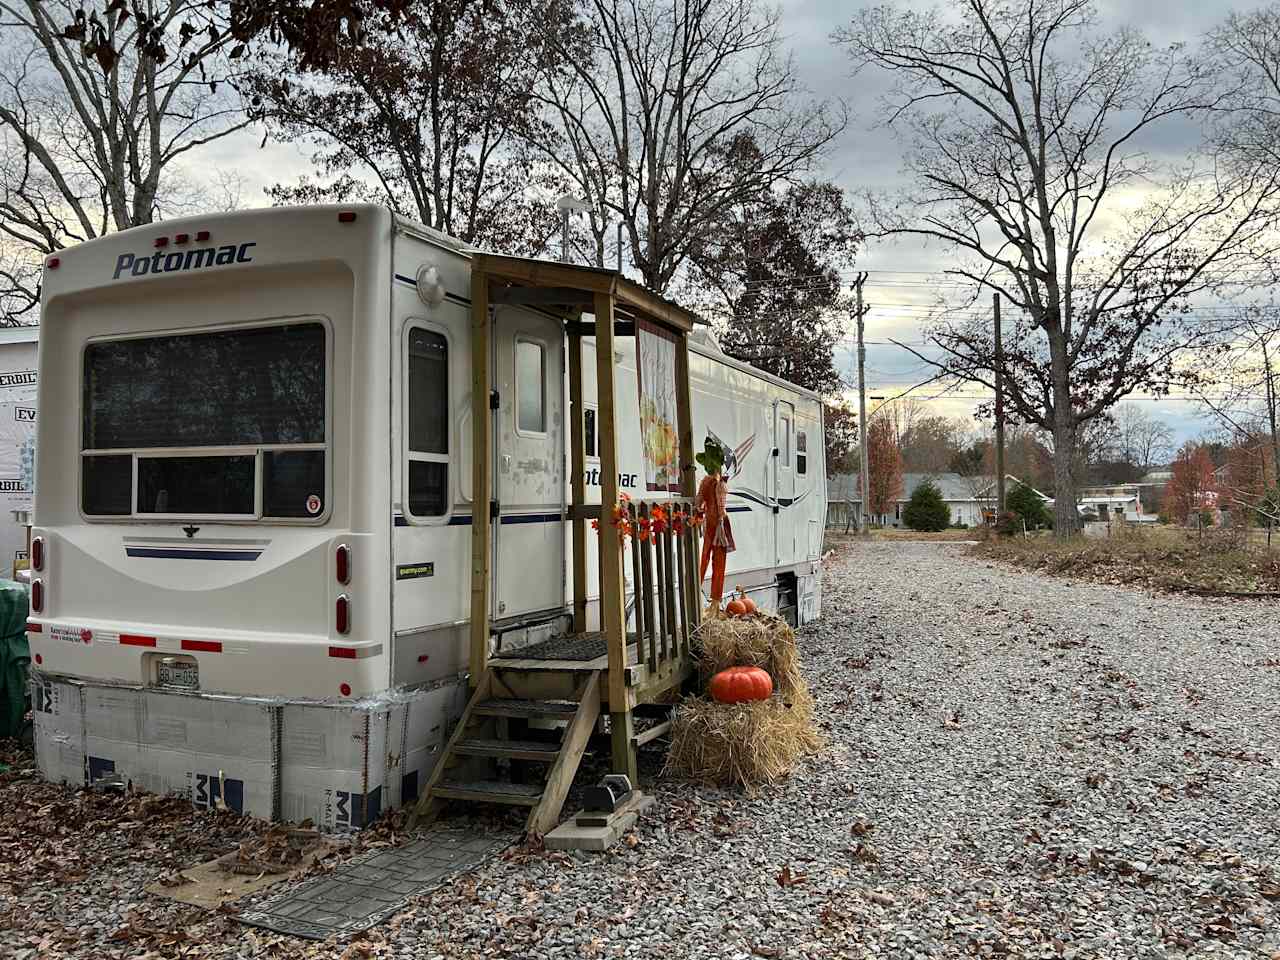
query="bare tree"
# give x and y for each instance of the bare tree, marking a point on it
(97, 114)
(1245, 398)
(1141, 440)
(410, 118)
(1025, 128)
(671, 113)
(1247, 48)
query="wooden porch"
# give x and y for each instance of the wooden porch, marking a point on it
(571, 682)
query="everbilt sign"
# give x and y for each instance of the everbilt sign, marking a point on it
(140, 264)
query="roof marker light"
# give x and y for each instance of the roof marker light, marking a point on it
(162, 241)
(347, 216)
(182, 238)
(202, 235)
(52, 263)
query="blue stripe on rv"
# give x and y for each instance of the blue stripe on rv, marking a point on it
(177, 553)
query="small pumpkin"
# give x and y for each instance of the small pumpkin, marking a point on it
(740, 605)
(740, 685)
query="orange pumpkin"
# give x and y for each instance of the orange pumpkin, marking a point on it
(736, 608)
(741, 684)
(749, 604)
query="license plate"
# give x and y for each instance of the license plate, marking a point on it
(181, 673)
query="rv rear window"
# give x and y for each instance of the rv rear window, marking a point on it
(261, 385)
(229, 423)
(196, 485)
(107, 485)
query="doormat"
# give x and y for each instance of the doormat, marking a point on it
(374, 886)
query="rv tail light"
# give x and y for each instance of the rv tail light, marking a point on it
(162, 241)
(343, 653)
(39, 659)
(34, 627)
(342, 615)
(347, 216)
(37, 596)
(52, 263)
(182, 238)
(345, 689)
(202, 235)
(342, 556)
(37, 553)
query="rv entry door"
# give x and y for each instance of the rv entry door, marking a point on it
(529, 541)
(784, 482)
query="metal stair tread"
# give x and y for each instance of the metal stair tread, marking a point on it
(525, 708)
(516, 749)
(490, 791)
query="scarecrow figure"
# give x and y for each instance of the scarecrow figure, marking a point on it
(713, 496)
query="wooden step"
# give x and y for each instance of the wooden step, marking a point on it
(525, 708)
(514, 749)
(490, 791)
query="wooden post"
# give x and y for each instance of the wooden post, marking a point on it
(481, 472)
(688, 475)
(613, 616)
(578, 485)
(645, 598)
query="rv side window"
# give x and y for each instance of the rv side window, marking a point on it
(531, 391)
(589, 429)
(428, 359)
(786, 441)
(224, 424)
(802, 460)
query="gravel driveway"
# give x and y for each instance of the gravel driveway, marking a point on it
(1017, 766)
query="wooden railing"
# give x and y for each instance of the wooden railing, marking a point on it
(664, 544)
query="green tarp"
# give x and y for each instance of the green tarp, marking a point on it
(15, 655)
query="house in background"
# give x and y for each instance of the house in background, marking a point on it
(1117, 502)
(970, 499)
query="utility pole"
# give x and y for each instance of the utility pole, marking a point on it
(999, 365)
(862, 410)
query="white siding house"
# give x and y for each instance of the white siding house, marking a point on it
(969, 498)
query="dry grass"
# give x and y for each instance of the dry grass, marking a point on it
(756, 641)
(1167, 559)
(745, 744)
(739, 744)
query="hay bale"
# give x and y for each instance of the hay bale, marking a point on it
(756, 641)
(739, 744)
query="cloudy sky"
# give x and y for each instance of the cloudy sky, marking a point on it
(899, 288)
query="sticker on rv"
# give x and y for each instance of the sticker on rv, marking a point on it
(313, 504)
(411, 571)
(73, 634)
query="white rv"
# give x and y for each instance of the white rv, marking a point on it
(251, 549)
